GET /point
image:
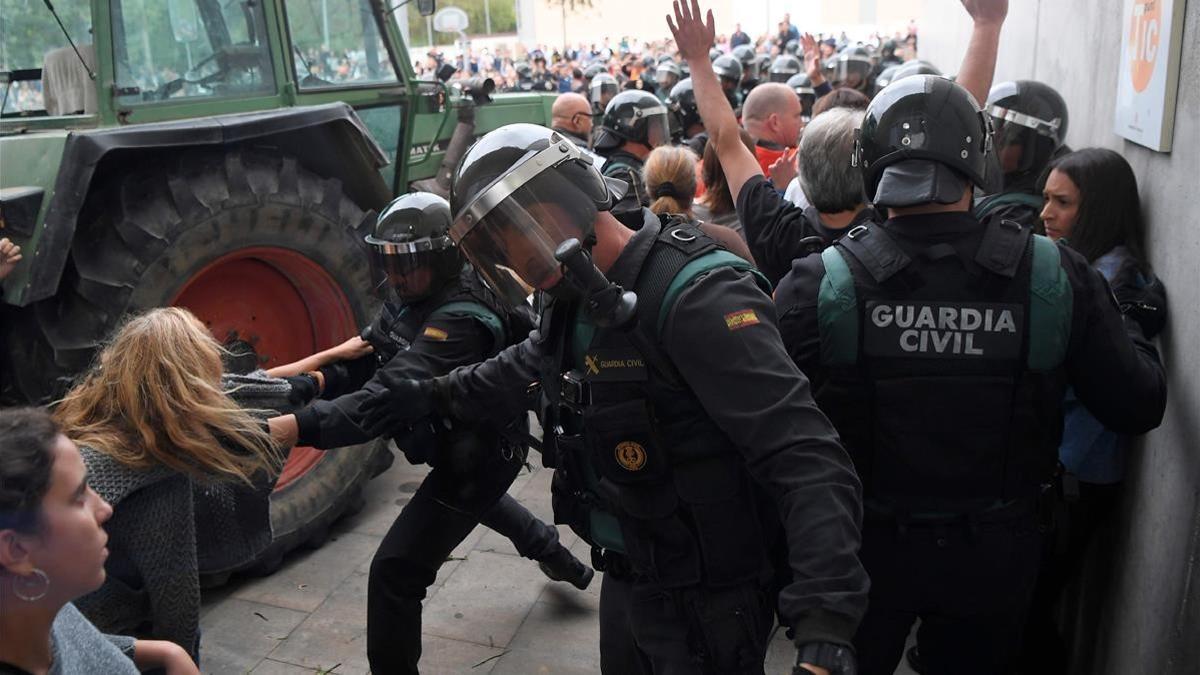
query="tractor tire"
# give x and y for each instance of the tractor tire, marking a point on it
(266, 253)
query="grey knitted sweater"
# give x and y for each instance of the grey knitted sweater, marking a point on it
(166, 528)
(78, 648)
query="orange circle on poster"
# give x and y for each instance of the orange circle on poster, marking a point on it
(1144, 28)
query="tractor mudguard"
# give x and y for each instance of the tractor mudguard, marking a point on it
(329, 140)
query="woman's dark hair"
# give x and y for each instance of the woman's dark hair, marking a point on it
(841, 97)
(716, 187)
(27, 437)
(1110, 212)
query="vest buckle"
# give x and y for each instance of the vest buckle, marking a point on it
(855, 232)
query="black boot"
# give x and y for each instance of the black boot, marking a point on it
(562, 566)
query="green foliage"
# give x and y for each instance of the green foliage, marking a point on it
(503, 15)
(28, 30)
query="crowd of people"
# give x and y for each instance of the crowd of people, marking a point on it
(814, 338)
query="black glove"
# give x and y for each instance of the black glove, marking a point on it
(303, 389)
(1144, 303)
(401, 403)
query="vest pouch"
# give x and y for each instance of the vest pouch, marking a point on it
(941, 440)
(719, 496)
(624, 448)
(659, 545)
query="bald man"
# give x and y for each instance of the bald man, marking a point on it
(571, 115)
(772, 117)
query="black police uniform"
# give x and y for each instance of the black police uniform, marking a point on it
(578, 140)
(941, 348)
(778, 231)
(675, 456)
(472, 468)
(955, 440)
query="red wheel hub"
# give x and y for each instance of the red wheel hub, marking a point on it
(280, 303)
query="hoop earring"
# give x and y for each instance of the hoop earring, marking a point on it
(21, 586)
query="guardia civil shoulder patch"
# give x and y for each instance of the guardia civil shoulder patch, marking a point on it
(741, 319)
(435, 333)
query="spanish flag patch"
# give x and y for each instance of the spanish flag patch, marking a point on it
(741, 319)
(435, 333)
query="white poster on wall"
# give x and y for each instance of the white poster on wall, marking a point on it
(1151, 45)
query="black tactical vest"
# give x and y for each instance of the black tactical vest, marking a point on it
(945, 375)
(641, 468)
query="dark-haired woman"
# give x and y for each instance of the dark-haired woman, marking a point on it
(52, 551)
(1092, 205)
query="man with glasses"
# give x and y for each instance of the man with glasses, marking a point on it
(571, 116)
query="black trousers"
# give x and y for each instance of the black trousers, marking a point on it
(451, 501)
(644, 629)
(971, 589)
(1053, 635)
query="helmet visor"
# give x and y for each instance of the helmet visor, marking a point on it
(601, 92)
(658, 127)
(410, 275)
(511, 230)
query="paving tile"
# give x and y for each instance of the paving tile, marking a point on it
(272, 667)
(308, 578)
(385, 495)
(485, 600)
(555, 638)
(237, 634)
(781, 653)
(336, 632)
(441, 655)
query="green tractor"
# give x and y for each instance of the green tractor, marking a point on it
(224, 156)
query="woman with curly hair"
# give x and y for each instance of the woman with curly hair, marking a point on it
(158, 432)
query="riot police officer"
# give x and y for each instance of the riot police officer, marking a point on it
(852, 69)
(941, 347)
(748, 59)
(442, 317)
(885, 77)
(802, 85)
(601, 89)
(729, 70)
(635, 122)
(673, 455)
(785, 67)
(686, 117)
(1031, 124)
(666, 76)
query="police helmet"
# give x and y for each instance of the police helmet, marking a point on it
(852, 69)
(792, 47)
(785, 67)
(1029, 115)
(682, 102)
(761, 66)
(727, 67)
(714, 54)
(745, 54)
(922, 138)
(915, 67)
(523, 70)
(410, 247)
(888, 50)
(517, 194)
(601, 90)
(885, 77)
(802, 85)
(668, 75)
(593, 70)
(637, 116)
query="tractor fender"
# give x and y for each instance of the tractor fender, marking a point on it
(329, 140)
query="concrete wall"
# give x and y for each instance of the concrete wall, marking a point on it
(1074, 45)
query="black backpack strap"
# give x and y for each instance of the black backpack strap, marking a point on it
(1002, 248)
(875, 251)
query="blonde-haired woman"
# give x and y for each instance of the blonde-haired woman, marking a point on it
(156, 428)
(670, 176)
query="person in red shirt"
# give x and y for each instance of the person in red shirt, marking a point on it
(772, 116)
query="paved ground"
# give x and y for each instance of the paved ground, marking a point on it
(491, 611)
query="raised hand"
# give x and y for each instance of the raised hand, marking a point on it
(693, 35)
(10, 255)
(987, 11)
(812, 59)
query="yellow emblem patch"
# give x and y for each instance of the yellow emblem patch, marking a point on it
(630, 455)
(741, 319)
(435, 333)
